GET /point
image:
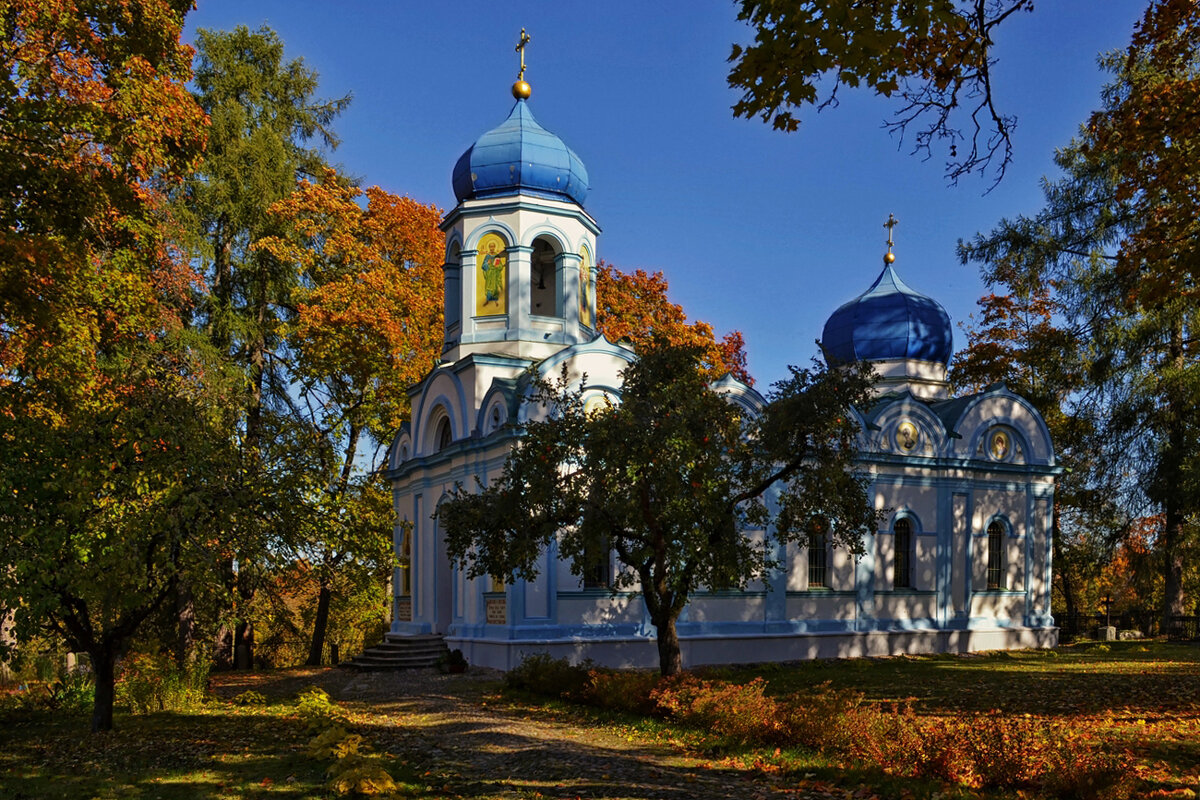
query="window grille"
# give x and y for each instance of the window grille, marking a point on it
(995, 552)
(817, 555)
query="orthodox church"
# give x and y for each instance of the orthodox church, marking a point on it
(961, 563)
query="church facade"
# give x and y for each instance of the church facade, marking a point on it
(962, 562)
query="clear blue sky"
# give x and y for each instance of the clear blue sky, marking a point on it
(755, 230)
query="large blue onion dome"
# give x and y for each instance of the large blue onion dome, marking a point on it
(520, 156)
(888, 321)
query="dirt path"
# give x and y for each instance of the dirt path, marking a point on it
(466, 741)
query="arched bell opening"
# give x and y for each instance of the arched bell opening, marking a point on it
(545, 274)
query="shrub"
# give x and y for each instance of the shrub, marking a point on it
(360, 777)
(354, 771)
(153, 682)
(249, 698)
(738, 712)
(334, 742)
(618, 691)
(74, 693)
(818, 719)
(318, 711)
(552, 677)
(1080, 772)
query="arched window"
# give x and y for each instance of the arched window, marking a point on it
(995, 554)
(902, 565)
(445, 435)
(451, 286)
(596, 566)
(817, 553)
(543, 277)
(406, 561)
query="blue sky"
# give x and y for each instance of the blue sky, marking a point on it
(755, 230)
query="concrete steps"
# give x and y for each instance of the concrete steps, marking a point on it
(398, 651)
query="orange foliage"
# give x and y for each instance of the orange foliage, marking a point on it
(97, 117)
(1151, 137)
(634, 306)
(372, 310)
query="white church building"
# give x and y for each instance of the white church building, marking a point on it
(962, 561)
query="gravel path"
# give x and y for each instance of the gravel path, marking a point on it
(470, 742)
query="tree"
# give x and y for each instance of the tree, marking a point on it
(106, 510)
(634, 306)
(671, 478)
(1127, 305)
(933, 55)
(265, 114)
(368, 325)
(101, 391)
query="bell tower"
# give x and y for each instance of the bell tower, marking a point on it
(520, 248)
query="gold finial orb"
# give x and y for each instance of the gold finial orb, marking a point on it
(521, 90)
(890, 258)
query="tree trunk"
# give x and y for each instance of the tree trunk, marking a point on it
(103, 663)
(222, 654)
(1172, 482)
(185, 613)
(670, 661)
(7, 640)
(243, 640)
(317, 649)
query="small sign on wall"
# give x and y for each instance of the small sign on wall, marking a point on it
(497, 611)
(404, 609)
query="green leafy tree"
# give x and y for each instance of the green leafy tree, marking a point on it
(670, 478)
(1131, 342)
(107, 510)
(268, 130)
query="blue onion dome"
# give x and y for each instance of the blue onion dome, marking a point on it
(520, 156)
(888, 321)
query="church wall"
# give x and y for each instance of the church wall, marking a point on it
(600, 608)
(907, 605)
(719, 607)
(1005, 607)
(818, 608)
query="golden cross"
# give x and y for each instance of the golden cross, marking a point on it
(891, 223)
(521, 49)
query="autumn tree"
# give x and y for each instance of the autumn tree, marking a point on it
(107, 406)
(1128, 302)
(671, 478)
(269, 129)
(634, 306)
(367, 326)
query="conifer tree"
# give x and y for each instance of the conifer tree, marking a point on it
(267, 131)
(1124, 305)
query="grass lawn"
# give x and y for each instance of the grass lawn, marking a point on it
(1140, 698)
(216, 751)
